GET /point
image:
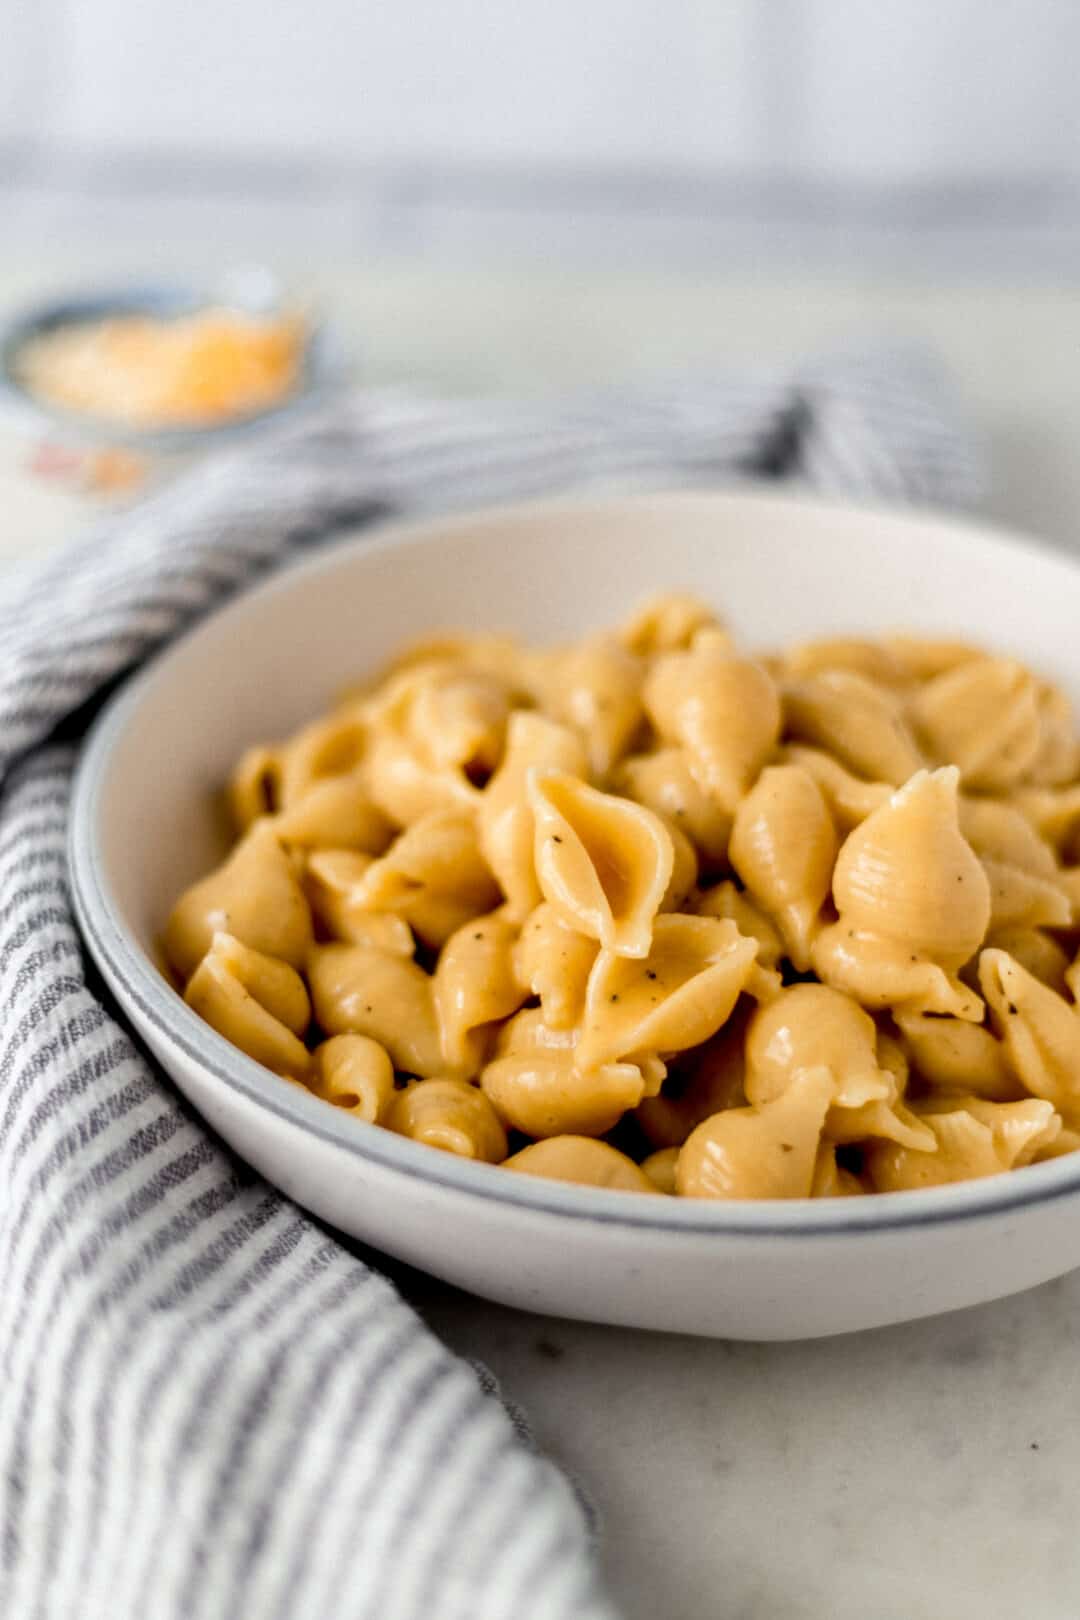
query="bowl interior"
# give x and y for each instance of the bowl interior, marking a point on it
(778, 568)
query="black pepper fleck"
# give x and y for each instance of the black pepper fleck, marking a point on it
(1013, 1010)
(649, 974)
(614, 997)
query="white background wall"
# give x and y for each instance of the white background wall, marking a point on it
(846, 110)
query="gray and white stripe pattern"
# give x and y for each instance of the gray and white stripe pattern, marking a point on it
(209, 1406)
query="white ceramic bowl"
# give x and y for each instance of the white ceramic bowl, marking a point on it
(143, 827)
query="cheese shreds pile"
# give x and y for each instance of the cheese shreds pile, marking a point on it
(145, 372)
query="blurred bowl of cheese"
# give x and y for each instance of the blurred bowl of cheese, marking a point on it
(165, 368)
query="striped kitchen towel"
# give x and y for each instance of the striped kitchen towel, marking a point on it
(209, 1407)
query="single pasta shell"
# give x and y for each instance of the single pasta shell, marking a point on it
(923, 657)
(724, 711)
(254, 896)
(858, 721)
(451, 1115)
(460, 723)
(335, 812)
(983, 717)
(583, 1160)
(544, 1095)
(1039, 1030)
(505, 817)
(438, 854)
(1037, 951)
(274, 984)
(963, 1150)
(674, 998)
(957, 1057)
(406, 788)
(604, 863)
(474, 985)
(684, 870)
(1001, 832)
(254, 787)
(257, 1002)
(664, 782)
(595, 687)
(1020, 1129)
(811, 1026)
(1020, 899)
(355, 1074)
(332, 880)
(973, 1140)
(660, 1168)
(784, 847)
(767, 1152)
(667, 623)
(1058, 758)
(871, 659)
(358, 990)
(333, 746)
(1025, 889)
(908, 874)
(554, 962)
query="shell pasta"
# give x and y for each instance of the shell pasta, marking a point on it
(649, 913)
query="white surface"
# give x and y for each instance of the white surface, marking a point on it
(898, 91)
(479, 83)
(888, 1476)
(1011, 350)
(782, 569)
(906, 133)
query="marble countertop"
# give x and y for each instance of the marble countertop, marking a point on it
(911, 1473)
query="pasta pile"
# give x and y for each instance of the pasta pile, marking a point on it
(644, 913)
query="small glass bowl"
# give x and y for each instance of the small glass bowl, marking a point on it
(254, 292)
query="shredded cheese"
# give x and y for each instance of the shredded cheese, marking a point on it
(147, 372)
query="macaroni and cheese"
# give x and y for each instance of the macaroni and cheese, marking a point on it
(647, 913)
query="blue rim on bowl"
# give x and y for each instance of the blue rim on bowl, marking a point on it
(116, 949)
(320, 367)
